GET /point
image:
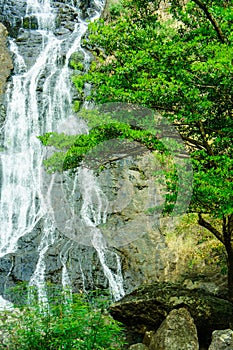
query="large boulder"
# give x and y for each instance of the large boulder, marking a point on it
(146, 308)
(177, 331)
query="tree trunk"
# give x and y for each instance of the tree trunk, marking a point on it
(229, 250)
(211, 18)
(228, 242)
(226, 237)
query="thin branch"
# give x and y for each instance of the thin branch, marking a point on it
(205, 142)
(163, 108)
(194, 142)
(211, 19)
(210, 228)
(206, 86)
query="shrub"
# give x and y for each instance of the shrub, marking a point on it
(66, 322)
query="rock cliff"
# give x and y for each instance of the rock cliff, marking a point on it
(132, 229)
(6, 62)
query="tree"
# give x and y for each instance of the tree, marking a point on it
(181, 66)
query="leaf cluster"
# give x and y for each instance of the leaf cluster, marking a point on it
(73, 149)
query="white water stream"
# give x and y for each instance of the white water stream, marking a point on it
(22, 203)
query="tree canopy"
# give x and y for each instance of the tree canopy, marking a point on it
(181, 65)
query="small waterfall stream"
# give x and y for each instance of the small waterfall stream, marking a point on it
(93, 213)
(39, 99)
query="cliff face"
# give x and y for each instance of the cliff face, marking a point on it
(5, 70)
(132, 228)
(5, 59)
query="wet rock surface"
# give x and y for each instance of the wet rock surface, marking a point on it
(130, 227)
(11, 15)
(83, 267)
(141, 259)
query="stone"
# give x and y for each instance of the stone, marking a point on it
(130, 227)
(147, 306)
(5, 58)
(177, 331)
(77, 60)
(147, 337)
(5, 71)
(11, 15)
(138, 346)
(222, 340)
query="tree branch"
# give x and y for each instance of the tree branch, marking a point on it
(198, 144)
(210, 228)
(230, 224)
(211, 19)
(205, 142)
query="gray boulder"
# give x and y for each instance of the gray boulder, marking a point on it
(177, 331)
(147, 306)
(222, 340)
(138, 346)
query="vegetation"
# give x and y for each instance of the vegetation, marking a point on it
(75, 148)
(198, 252)
(181, 66)
(66, 322)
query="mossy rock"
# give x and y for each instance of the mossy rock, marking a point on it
(30, 23)
(146, 307)
(77, 61)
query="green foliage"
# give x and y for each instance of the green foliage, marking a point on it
(70, 322)
(73, 149)
(214, 186)
(181, 66)
(196, 248)
(78, 81)
(115, 9)
(77, 65)
(76, 61)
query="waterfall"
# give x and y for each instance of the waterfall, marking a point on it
(39, 100)
(93, 213)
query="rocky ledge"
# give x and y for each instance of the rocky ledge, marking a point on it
(146, 308)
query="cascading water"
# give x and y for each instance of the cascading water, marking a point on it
(94, 212)
(39, 98)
